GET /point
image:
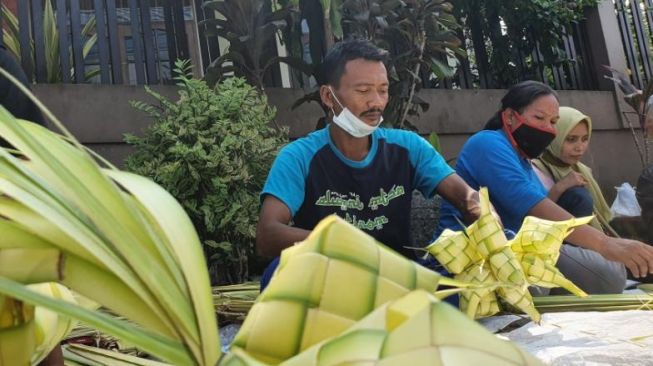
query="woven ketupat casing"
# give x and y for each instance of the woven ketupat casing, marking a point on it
(488, 259)
(482, 301)
(455, 251)
(323, 286)
(416, 329)
(537, 247)
(482, 254)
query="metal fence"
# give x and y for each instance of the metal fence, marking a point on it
(131, 42)
(636, 25)
(571, 72)
(139, 40)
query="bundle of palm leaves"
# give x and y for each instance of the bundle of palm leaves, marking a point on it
(233, 302)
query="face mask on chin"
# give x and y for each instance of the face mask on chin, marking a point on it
(350, 123)
(529, 139)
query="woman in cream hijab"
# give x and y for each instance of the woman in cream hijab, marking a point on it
(570, 182)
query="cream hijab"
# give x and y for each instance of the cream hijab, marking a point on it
(550, 163)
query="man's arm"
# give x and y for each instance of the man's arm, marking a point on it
(455, 190)
(273, 234)
(635, 255)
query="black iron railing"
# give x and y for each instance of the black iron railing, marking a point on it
(137, 41)
(636, 24)
(572, 71)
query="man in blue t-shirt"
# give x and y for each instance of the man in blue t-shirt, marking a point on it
(353, 168)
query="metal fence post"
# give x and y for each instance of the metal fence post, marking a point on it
(604, 36)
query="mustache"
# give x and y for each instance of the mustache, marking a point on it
(371, 111)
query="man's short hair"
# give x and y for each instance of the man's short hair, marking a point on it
(342, 52)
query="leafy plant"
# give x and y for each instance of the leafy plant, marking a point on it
(324, 21)
(331, 21)
(51, 40)
(251, 27)
(212, 150)
(421, 38)
(509, 32)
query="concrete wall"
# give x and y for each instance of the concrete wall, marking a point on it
(100, 115)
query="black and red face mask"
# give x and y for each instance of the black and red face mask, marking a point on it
(526, 137)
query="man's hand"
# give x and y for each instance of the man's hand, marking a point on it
(472, 209)
(635, 255)
(455, 190)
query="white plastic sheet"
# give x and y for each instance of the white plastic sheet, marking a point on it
(586, 338)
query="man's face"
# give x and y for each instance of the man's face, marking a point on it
(363, 90)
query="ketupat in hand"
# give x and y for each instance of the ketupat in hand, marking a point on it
(483, 254)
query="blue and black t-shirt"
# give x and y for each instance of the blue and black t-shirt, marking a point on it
(489, 160)
(314, 179)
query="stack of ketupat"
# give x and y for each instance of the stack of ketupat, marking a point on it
(482, 254)
(332, 283)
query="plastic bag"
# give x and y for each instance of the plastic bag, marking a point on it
(625, 205)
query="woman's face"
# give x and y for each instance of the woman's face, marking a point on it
(542, 112)
(575, 144)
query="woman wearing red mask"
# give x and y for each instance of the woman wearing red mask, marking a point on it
(499, 157)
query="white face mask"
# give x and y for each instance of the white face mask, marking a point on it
(350, 123)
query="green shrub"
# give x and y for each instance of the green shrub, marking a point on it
(212, 150)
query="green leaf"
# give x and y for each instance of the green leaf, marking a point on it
(141, 243)
(165, 214)
(150, 342)
(335, 18)
(210, 23)
(442, 70)
(94, 356)
(434, 140)
(294, 62)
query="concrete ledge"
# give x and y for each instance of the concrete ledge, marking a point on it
(102, 114)
(99, 113)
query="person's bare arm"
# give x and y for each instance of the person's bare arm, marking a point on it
(572, 179)
(635, 255)
(273, 234)
(455, 190)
